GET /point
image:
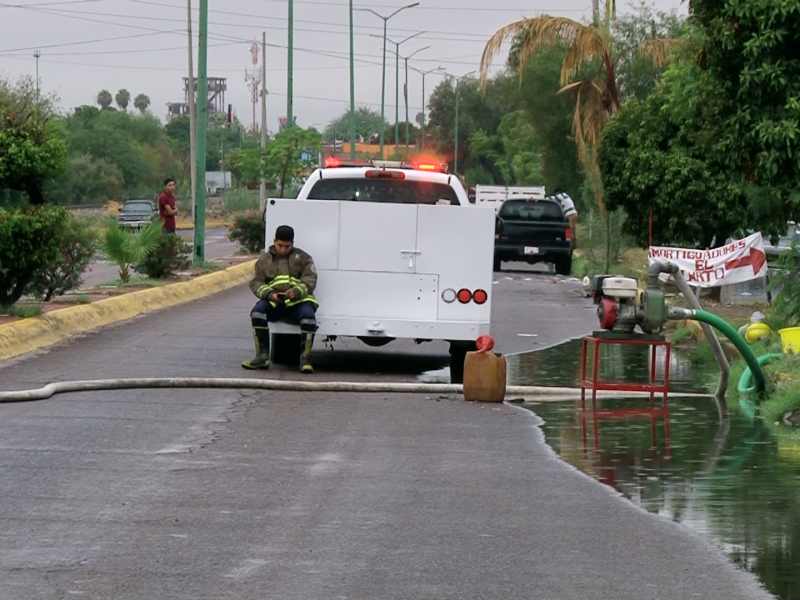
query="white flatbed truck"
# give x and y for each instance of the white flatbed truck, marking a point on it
(495, 195)
(399, 251)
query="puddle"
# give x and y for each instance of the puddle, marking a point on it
(734, 481)
(560, 366)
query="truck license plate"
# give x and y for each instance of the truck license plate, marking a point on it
(531, 250)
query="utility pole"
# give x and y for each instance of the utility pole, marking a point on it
(290, 67)
(263, 186)
(383, 72)
(36, 55)
(405, 91)
(352, 93)
(202, 122)
(192, 112)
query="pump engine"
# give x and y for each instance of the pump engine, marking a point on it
(621, 305)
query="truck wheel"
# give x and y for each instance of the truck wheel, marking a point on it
(498, 265)
(564, 266)
(284, 349)
(458, 353)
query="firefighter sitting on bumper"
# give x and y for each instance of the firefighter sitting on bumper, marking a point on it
(284, 282)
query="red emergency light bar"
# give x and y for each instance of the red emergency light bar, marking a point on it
(427, 165)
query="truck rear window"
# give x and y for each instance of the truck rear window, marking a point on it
(520, 210)
(394, 191)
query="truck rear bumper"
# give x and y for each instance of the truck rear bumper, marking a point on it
(393, 328)
(543, 253)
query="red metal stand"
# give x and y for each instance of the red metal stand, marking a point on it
(594, 384)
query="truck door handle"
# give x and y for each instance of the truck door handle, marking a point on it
(410, 251)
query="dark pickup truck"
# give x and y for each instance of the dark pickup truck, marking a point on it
(533, 231)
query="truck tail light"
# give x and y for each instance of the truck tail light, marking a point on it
(480, 297)
(569, 234)
(464, 295)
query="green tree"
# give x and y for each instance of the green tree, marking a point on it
(750, 51)
(589, 72)
(368, 121)
(141, 103)
(117, 143)
(512, 150)
(476, 113)
(660, 155)
(290, 154)
(30, 238)
(123, 99)
(32, 142)
(104, 98)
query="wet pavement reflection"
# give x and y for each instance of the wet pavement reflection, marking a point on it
(560, 366)
(735, 480)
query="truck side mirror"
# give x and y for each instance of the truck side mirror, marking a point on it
(498, 226)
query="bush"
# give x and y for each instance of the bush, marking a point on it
(171, 253)
(77, 245)
(249, 230)
(29, 242)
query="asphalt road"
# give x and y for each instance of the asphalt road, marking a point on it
(217, 246)
(204, 494)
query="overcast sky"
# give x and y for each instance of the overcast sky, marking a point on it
(140, 45)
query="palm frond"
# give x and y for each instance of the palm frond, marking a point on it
(658, 50)
(536, 33)
(589, 46)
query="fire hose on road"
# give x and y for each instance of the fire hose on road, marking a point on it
(514, 392)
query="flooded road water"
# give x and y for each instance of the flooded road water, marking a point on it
(736, 480)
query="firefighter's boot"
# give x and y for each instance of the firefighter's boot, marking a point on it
(306, 341)
(261, 341)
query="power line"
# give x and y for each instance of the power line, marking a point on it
(95, 41)
(73, 13)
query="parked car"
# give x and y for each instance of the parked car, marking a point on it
(533, 231)
(137, 213)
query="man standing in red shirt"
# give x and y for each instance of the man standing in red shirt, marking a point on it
(166, 206)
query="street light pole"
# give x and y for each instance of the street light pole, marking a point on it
(423, 73)
(405, 91)
(290, 66)
(202, 120)
(383, 74)
(352, 92)
(455, 153)
(397, 85)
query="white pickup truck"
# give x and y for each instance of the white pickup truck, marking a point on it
(495, 195)
(400, 253)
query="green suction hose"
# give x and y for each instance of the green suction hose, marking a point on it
(760, 381)
(746, 387)
(757, 373)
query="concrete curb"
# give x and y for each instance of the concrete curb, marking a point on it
(28, 335)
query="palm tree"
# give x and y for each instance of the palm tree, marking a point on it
(104, 98)
(590, 50)
(141, 102)
(123, 98)
(125, 248)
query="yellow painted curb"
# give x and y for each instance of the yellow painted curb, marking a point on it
(210, 224)
(21, 337)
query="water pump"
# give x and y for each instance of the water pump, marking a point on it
(622, 306)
